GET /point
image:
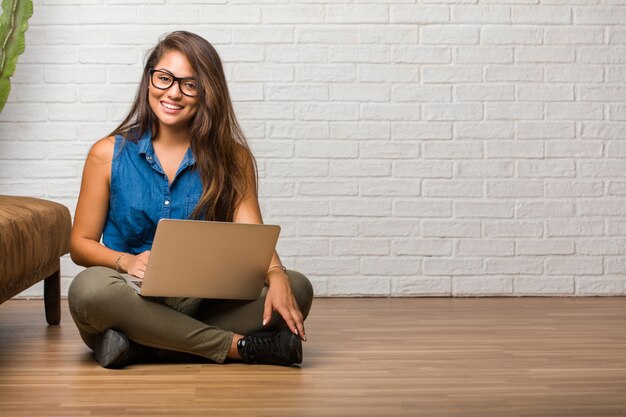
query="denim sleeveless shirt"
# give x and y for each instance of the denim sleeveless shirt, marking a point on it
(140, 194)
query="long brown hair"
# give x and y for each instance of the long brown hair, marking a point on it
(222, 154)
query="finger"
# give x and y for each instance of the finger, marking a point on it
(267, 312)
(286, 314)
(299, 322)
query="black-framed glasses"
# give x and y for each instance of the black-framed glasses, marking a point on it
(163, 80)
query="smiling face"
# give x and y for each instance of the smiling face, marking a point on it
(171, 107)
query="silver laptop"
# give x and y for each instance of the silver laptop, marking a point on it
(205, 259)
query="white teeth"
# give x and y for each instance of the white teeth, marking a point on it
(171, 106)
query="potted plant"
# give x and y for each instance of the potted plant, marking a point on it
(13, 25)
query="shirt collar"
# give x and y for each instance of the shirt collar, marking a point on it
(144, 147)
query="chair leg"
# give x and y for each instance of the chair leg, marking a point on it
(52, 297)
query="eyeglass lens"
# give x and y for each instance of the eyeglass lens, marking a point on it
(163, 80)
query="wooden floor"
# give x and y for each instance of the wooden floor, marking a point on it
(365, 357)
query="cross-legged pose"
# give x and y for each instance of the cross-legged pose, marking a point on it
(180, 153)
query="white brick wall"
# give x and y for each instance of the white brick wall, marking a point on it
(407, 147)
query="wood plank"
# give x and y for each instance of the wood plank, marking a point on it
(365, 357)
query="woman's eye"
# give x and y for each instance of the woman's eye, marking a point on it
(165, 78)
(191, 85)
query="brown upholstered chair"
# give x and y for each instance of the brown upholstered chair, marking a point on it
(34, 234)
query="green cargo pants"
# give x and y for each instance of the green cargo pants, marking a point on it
(99, 299)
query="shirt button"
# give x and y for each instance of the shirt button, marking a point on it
(167, 202)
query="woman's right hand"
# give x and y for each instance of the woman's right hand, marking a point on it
(136, 264)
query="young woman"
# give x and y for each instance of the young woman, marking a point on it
(179, 153)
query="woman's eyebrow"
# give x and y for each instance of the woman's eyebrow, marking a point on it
(170, 72)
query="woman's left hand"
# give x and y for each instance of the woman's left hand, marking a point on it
(280, 298)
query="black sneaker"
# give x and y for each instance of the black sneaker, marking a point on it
(277, 348)
(114, 350)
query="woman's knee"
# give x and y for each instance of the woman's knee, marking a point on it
(302, 290)
(92, 286)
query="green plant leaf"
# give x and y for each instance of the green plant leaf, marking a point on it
(13, 25)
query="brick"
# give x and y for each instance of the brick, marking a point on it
(514, 111)
(600, 169)
(602, 55)
(326, 73)
(49, 55)
(327, 34)
(488, 14)
(345, 92)
(107, 55)
(602, 93)
(387, 34)
(272, 148)
(541, 15)
(388, 73)
(295, 93)
(325, 228)
(358, 54)
(481, 286)
(422, 208)
(452, 112)
(484, 55)
(574, 111)
(613, 285)
(422, 169)
(359, 130)
(359, 246)
(85, 74)
(292, 14)
(544, 285)
(573, 188)
(545, 93)
(291, 207)
(260, 35)
(483, 209)
(449, 35)
(276, 189)
(360, 286)
(546, 130)
(455, 74)
(599, 16)
(617, 188)
(452, 188)
(603, 246)
(514, 149)
(389, 150)
(484, 169)
(421, 55)
(361, 207)
(448, 229)
(43, 94)
(452, 149)
(295, 54)
(382, 187)
(544, 209)
(513, 73)
(482, 92)
(616, 265)
(19, 150)
(389, 227)
(602, 130)
(514, 35)
(546, 169)
(357, 14)
(525, 265)
(451, 266)
(264, 111)
(422, 93)
(578, 265)
(419, 14)
(53, 15)
(513, 228)
(485, 247)
(385, 111)
(328, 188)
(421, 130)
(514, 188)
(360, 168)
(107, 14)
(77, 112)
(302, 247)
(574, 228)
(612, 207)
(326, 149)
(422, 247)
(574, 73)
(575, 35)
(394, 266)
(328, 265)
(246, 72)
(298, 130)
(297, 168)
(544, 247)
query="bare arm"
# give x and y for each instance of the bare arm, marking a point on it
(280, 297)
